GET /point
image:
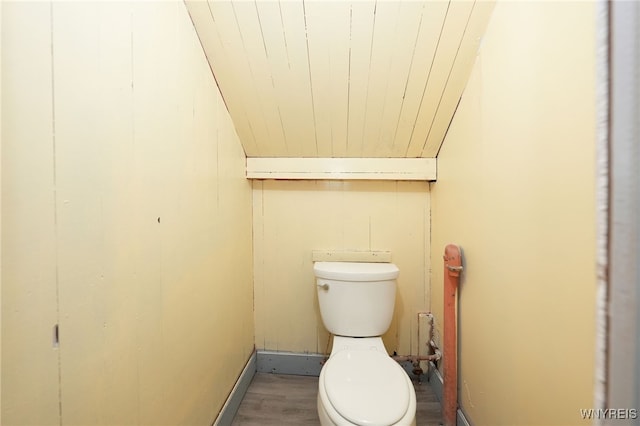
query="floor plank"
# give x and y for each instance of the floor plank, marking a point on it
(277, 399)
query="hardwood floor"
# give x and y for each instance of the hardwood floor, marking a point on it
(277, 399)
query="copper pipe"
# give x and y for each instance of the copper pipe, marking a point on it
(452, 269)
(414, 358)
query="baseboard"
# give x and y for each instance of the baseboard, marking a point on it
(461, 419)
(230, 407)
(301, 364)
(289, 363)
(436, 383)
(435, 380)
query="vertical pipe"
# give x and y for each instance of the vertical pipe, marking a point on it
(452, 268)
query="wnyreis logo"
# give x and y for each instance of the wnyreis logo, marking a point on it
(609, 413)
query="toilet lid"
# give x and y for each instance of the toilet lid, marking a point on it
(366, 387)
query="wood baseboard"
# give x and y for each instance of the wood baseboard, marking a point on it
(230, 407)
(289, 363)
(436, 381)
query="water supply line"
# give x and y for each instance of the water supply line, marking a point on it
(417, 359)
(452, 268)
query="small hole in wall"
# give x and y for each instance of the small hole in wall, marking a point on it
(56, 336)
(158, 219)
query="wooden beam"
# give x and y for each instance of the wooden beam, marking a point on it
(416, 169)
(350, 256)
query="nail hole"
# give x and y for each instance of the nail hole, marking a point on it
(158, 220)
(56, 336)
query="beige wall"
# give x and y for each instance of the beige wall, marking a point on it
(293, 218)
(126, 219)
(515, 189)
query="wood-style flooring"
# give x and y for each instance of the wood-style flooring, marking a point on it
(277, 399)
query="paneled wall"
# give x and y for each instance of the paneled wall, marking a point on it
(293, 218)
(516, 189)
(126, 219)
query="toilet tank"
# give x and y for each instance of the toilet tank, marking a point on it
(356, 299)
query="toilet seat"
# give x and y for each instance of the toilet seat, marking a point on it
(366, 387)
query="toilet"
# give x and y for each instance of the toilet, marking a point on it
(360, 384)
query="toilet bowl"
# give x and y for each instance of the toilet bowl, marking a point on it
(360, 384)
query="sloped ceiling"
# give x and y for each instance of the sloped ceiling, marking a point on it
(341, 79)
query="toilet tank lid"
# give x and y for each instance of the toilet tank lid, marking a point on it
(356, 271)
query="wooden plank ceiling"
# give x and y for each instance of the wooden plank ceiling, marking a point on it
(341, 79)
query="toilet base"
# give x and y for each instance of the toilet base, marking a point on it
(322, 414)
(325, 420)
(328, 415)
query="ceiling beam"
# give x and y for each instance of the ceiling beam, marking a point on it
(416, 169)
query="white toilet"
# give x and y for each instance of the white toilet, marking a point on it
(360, 384)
